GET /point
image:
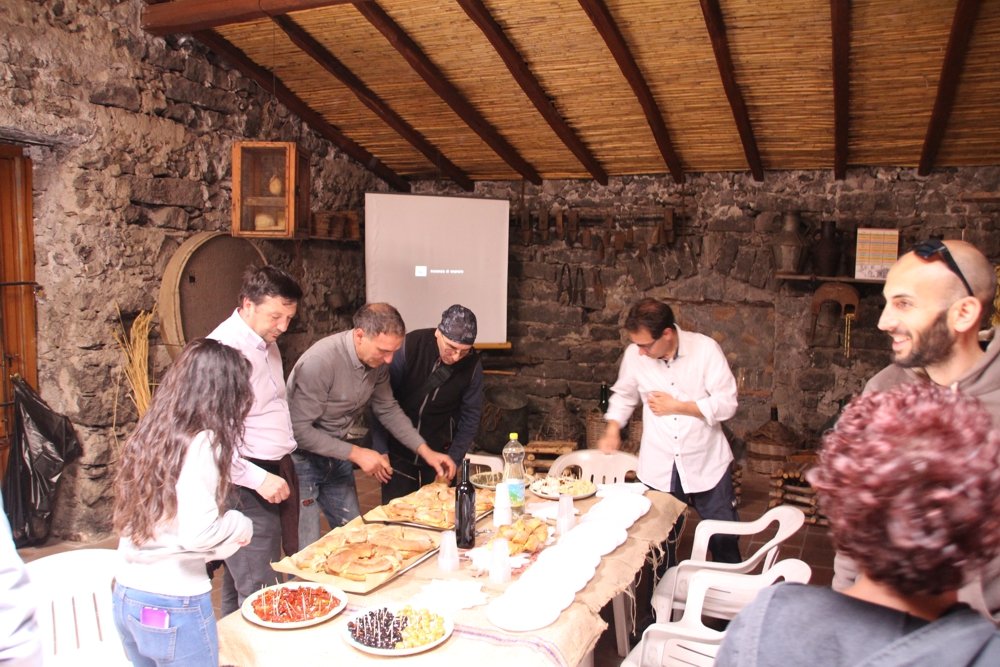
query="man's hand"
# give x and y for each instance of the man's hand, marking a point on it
(661, 403)
(273, 489)
(441, 463)
(611, 441)
(371, 463)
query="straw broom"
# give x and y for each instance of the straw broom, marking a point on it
(135, 351)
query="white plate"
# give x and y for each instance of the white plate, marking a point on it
(513, 615)
(449, 627)
(535, 488)
(557, 556)
(550, 594)
(248, 613)
(549, 577)
(486, 480)
(600, 537)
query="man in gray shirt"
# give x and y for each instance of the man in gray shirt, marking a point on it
(331, 386)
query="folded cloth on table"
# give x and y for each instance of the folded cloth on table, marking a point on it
(605, 490)
(546, 511)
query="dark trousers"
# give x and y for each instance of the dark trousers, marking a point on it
(719, 502)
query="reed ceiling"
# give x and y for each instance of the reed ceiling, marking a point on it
(470, 90)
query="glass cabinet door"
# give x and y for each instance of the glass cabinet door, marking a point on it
(269, 182)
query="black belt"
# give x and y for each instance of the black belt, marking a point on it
(272, 467)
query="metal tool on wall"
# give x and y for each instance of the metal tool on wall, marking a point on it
(598, 287)
(571, 286)
(847, 298)
(543, 224)
(525, 226)
(572, 226)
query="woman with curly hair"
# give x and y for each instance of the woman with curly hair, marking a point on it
(910, 480)
(173, 476)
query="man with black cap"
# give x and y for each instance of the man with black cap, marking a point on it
(437, 378)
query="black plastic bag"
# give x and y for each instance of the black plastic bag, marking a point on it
(44, 443)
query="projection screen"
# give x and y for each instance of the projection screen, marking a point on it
(425, 253)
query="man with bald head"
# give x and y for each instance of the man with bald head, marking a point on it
(937, 296)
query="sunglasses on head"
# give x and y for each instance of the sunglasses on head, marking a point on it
(935, 247)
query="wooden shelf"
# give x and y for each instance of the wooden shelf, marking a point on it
(264, 200)
(805, 277)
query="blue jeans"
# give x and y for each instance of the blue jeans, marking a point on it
(190, 640)
(328, 483)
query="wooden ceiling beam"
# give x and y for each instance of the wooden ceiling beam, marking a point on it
(168, 18)
(601, 17)
(376, 104)
(519, 69)
(296, 105)
(840, 27)
(436, 79)
(951, 72)
(724, 60)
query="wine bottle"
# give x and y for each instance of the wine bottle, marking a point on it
(465, 510)
(605, 398)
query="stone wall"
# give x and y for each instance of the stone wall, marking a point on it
(718, 273)
(131, 141)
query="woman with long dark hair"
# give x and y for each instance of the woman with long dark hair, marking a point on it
(170, 490)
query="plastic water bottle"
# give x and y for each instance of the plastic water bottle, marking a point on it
(513, 474)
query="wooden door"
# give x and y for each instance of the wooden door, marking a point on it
(18, 329)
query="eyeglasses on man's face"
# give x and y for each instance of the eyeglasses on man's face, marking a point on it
(936, 248)
(645, 347)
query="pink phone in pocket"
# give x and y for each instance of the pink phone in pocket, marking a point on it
(151, 617)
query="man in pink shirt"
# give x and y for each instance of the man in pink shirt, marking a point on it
(268, 299)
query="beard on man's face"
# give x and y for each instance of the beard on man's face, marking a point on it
(931, 346)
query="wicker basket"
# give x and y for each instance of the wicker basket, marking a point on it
(631, 437)
(595, 428)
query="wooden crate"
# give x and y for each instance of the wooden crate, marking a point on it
(540, 454)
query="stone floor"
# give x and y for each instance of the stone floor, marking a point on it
(812, 544)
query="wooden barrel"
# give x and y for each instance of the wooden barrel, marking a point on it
(766, 456)
(201, 285)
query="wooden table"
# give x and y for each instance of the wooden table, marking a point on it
(568, 642)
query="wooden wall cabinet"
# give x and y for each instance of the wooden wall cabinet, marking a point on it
(270, 189)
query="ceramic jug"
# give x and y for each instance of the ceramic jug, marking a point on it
(788, 245)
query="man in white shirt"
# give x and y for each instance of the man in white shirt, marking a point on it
(269, 299)
(687, 390)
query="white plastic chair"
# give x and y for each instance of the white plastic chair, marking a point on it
(687, 641)
(601, 468)
(491, 463)
(596, 466)
(670, 594)
(74, 607)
